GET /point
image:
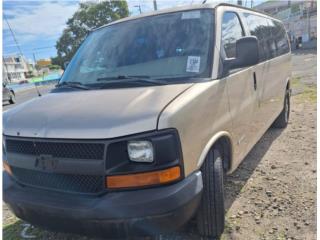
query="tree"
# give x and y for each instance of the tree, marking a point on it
(54, 67)
(90, 15)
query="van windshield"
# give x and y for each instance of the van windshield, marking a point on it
(165, 47)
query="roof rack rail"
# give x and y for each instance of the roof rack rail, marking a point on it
(245, 8)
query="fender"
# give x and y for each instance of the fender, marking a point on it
(209, 145)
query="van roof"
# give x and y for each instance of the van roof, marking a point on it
(185, 8)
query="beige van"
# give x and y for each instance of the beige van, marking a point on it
(150, 114)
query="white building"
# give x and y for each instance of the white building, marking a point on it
(299, 17)
(15, 68)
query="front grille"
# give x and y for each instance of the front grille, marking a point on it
(57, 181)
(62, 151)
(57, 149)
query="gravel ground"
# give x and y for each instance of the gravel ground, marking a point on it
(272, 195)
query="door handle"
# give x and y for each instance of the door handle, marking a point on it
(254, 81)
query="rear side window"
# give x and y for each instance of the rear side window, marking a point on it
(280, 37)
(272, 41)
(259, 27)
(231, 32)
(271, 36)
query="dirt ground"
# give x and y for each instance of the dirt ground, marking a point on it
(272, 195)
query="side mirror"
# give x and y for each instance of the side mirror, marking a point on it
(247, 54)
(65, 64)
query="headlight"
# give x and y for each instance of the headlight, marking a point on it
(140, 151)
(144, 160)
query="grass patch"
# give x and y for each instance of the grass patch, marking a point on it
(309, 94)
(228, 228)
(295, 82)
(304, 92)
(281, 236)
(243, 189)
(11, 231)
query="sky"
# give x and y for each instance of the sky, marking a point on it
(37, 25)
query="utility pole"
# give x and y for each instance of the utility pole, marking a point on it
(240, 2)
(251, 3)
(155, 7)
(35, 63)
(139, 7)
(308, 19)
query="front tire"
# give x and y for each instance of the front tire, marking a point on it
(210, 216)
(283, 119)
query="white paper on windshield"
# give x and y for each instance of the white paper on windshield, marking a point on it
(190, 15)
(193, 64)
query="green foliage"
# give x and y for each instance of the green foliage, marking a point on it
(57, 61)
(54, 67)
(295, 8)
(90, 15)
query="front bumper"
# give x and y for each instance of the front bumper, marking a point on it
(116, 214)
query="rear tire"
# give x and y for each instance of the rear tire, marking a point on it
(210, 216)
(283, 119)
(12, 99)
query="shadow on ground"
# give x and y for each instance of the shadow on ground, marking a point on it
(5, 104)
(234, 183)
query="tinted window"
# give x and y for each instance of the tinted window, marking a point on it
(280, 37)
(231, 32)
(271, 41)
(260, 28)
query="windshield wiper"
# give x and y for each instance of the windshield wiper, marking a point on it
(73, 85)
(130, 78)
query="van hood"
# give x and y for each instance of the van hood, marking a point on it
(93, 114)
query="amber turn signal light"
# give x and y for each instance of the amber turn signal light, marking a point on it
(144, 179)
(7, 168)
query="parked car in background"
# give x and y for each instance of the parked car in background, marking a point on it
(23, 81)
(150, 114)
(8, 94)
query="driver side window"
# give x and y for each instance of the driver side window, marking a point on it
(231, 32)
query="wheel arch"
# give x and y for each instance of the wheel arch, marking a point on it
(224, 140)
(288, 84)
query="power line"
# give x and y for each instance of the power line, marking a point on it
(32, 50)
(14, 37)
(139, 7)
(44, 47)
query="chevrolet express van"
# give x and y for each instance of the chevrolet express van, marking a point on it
(150, 114)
